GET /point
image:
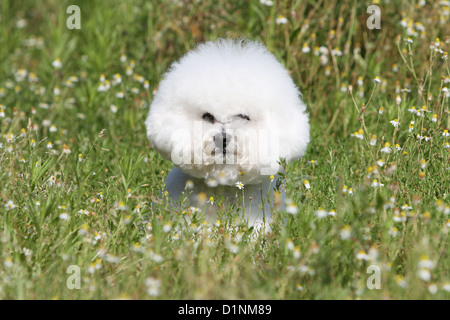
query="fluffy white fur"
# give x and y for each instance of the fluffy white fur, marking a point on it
(227, 112)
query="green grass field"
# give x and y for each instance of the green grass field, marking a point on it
(82, 192)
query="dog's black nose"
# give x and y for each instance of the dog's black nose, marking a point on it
(221, 140)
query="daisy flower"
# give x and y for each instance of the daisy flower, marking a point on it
(21, 23)
(360, 81)
(376, 184)
(46, 122)
(399, 217)
(201, 197)
(321, 213)
(116, 79)
(129, 71)
(422, 175)
(406, 207)
(167, 227)
(445, 134)
(135, 90)
(83, 211)
(10, 205)
(268, 3)
(296, 252)
(432, 288)
(239, 185)
(437, 43)
(8, 263)
(103, 86)
(113, 108)
(395, 123)
(423, 164)
(122, 206)
(400, 280)
(21, 75)
(323, 59)
(380, 163)
(195, 209)
(289, 245)
(73, 79)
(43, 105)
(336, 52)
(57, 64)
(153, 286)
(305, 48)
(306, 184)
(291, 207)
(393, 231)
(26, 251)
(446, 286)
(425, 262)
(358, 134)
(281, 20)
(346, 232)
(362, 255)
(373, 140)
(64, 216)
(386, 148)
(424, 274)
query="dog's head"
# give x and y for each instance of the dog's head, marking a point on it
(228, 111)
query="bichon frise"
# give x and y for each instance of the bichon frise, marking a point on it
(225, 114)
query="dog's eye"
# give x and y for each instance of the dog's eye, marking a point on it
(243, 116)
(208, 117)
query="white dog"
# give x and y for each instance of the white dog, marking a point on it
(225, 114)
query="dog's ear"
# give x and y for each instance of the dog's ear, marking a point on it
(171, 133)
(161, 124)
(292, 124)
(156, 131)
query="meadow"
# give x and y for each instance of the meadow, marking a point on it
(83, 212)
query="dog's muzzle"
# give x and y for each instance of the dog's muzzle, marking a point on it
(221, 140)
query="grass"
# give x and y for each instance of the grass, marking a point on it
(80, 185)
